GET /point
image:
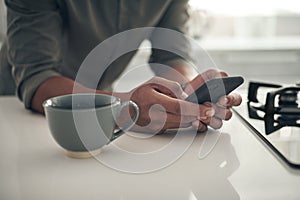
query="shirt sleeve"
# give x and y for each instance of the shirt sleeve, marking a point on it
(34, 32)
(176, 46)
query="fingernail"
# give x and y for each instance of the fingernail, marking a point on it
(196, 124)
(184, 95)
(210, 113)
(226, 100)
(223, 101)
(202, 118)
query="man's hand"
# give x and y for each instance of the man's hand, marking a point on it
(162, 107)
(222, 107)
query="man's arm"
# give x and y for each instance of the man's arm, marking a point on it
(34, 32)
(57, 86)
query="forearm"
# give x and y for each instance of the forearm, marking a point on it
(57, 86)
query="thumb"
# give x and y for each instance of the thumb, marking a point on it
(167, 87)
(202, 78)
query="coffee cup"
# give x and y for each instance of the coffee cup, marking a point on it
(83, 123)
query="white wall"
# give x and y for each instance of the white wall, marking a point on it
(250, 26)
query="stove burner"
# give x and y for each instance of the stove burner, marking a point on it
(288, 99)
(287, 113)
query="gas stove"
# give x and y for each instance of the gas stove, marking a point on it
(272, 112)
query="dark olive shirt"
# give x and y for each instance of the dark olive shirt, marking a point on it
(52, 37)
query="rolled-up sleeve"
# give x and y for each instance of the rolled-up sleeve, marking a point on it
(176, 46)
(34, 32)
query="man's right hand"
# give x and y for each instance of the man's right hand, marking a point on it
(162, 107)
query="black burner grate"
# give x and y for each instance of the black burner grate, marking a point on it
(280, 109)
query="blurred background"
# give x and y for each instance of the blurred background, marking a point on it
(245, 18)
(259, 39)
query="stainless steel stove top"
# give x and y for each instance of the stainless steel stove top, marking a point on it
(284, 142)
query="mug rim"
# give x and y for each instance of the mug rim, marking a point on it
(46, 105)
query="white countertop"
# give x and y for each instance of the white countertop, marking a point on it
(33, 166)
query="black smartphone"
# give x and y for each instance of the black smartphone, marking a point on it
(213, 89)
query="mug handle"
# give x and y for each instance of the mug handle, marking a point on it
(135, 117)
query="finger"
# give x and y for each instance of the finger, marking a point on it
(199, 126)
(215, 123)
(228, 114)
(223, 101)
(160, 121)
(210, 74)
(202, 78)
(172, 118)
(180, 119)
(223, 113)
(175, 126)
(181, 107)
(170, 88)
(234, 100)
(213, 73)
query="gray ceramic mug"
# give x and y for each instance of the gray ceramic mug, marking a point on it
(83, 123)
